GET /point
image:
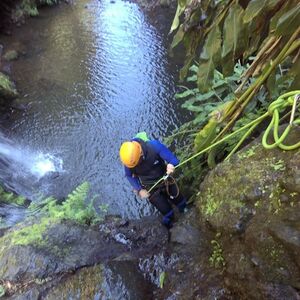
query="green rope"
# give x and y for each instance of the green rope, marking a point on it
(280, 104)
(274, 108)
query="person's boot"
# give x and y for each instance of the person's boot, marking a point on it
(168, 218)
(182, 206)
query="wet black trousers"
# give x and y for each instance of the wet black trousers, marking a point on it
(163, 200)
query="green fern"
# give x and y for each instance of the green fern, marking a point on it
(48, 2)
(73, 208)
(29, 8)
(11, 198)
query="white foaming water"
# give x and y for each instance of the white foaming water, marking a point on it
(45, 163)
(26, 172)
(38, 164)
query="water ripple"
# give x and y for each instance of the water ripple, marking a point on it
(102, 76)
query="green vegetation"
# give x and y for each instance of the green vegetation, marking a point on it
(248, 56)
(11, 198)
(2, 290)
(162, 278)
(7, 89)
(250, 152)
(26, 8)
(47, 2)
(73, 209)
(211, 205)
(278, 166)
(32, 234)
(216, 259)
(30, 7)
(11, 55)
(228, 30)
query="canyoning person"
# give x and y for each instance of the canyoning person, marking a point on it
(145, 162)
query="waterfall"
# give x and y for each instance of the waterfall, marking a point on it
(22, 169)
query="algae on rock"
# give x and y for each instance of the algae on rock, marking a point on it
(253, 200)
(7, 88)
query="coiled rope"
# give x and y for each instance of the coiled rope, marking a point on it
(274, 109)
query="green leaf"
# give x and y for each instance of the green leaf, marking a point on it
(178, 37)
(258, 7)
(185, 93)
(295, 74)
(179, 11)
(253, 45)
(192, 78)
(206, 75)
(212, 44)
(199, 108)
(222, 111)
(185, 68)
(200, 119)
(235, 38)
(210, 54)
(162, 278)
(194, 68)
(211, 159)
(2, 290)
(206, 96)
(253, 9)
(233, 26)
(206, 135)
(289, 22)
(287, 6)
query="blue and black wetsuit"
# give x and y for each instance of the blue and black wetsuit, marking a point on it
(151, 167)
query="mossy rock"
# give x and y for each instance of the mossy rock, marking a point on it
(11, 198)
(253, 201)
(7, 88)
(254, 182)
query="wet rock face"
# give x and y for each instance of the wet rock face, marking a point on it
(67, 248)
(253, 202)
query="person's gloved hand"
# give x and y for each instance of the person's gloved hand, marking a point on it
(170, 169)
(144, 194)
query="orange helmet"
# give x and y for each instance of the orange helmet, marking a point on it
(130, 153)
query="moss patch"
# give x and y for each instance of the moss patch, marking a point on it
(11, 198)
(73, 209)
(11, 55)
(252, 180)
(85, 284)
(7, 89)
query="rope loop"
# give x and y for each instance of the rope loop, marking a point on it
(288, 99)
(168, 182)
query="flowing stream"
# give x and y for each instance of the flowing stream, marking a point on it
(93, 74)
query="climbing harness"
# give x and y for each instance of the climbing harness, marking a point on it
(277, 106)
(167, 181)
(171, 181)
